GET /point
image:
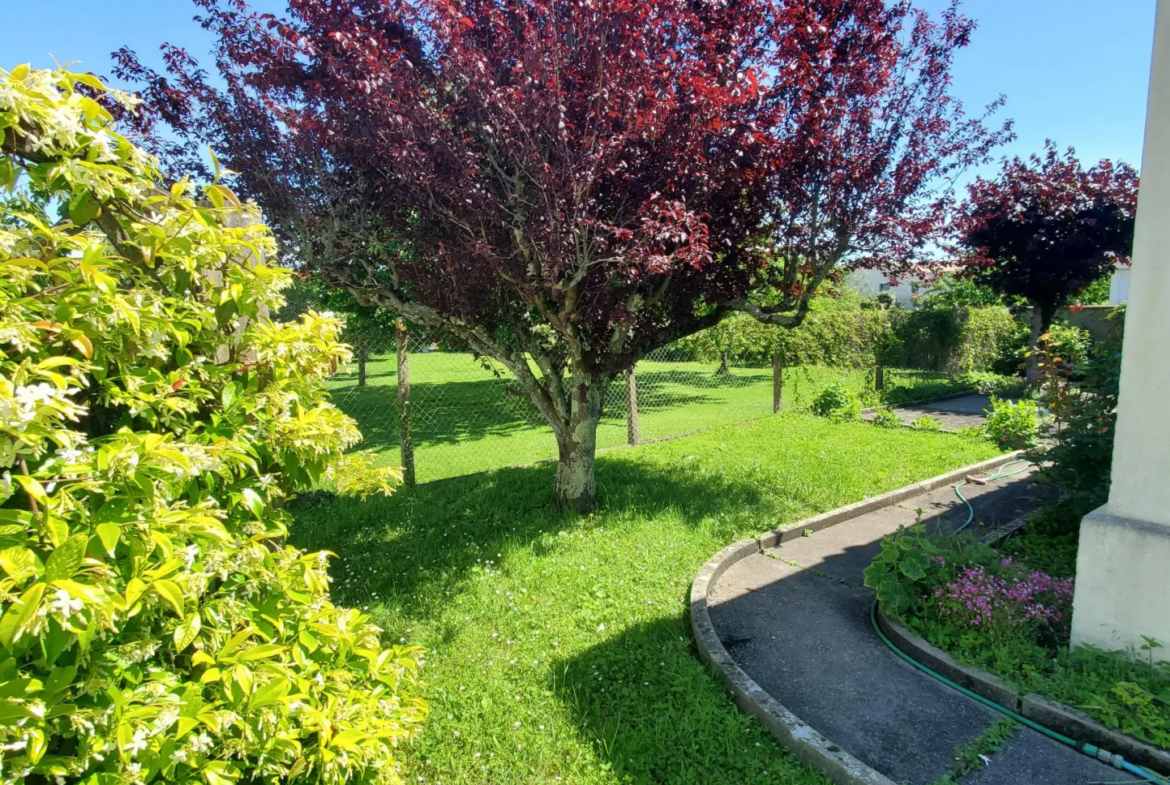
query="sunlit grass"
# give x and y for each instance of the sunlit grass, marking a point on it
(466, 419)
(559, 649)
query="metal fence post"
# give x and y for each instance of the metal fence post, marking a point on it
(633, 433)
(405, 437)
(777, 383)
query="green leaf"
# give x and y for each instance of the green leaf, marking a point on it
(20, 73)
(66, 560)
(21, 613)
(270, 693)
(914, 565)
(109, 534)
(253, 502)
(236, 641)
(261, 652)
(18, 562)
(33, 488)
(348, 739)
(219, 772)
(83, 208)
(170, 592)
(228, 396)
(187, 631)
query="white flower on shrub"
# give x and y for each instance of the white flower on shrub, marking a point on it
(66, 604)
(201, 744)
(137, 744)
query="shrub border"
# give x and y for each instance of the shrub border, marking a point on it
(794, 734)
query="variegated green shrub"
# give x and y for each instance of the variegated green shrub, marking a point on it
(153, 624)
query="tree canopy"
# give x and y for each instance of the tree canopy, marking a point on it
(1046, 227)
(579, 183)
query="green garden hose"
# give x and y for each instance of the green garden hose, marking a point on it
(1113, 759)
(1000, 474)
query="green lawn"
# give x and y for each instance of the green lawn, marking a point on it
(466, 420)
(559, 649)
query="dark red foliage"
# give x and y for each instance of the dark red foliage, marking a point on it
(582, 181)
(1046, 228)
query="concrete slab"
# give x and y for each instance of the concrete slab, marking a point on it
(955, 413)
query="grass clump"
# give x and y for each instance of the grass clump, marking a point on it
(559, 649)
(884, 417)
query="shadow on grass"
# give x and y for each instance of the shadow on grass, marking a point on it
(451, 412)
(420, 544)
(658, 716)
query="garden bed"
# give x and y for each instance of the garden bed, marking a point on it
(997, 622)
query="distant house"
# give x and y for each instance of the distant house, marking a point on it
(875, 282)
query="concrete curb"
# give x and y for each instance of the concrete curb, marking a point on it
(842, 514)
(795, 735)
(1055, 716)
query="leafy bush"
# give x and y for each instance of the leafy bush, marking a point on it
(988, 382)
(901, 572)
(886, 418)
(837, 332)
(1013, 426)
(1084, 414)
(1065, 346)
(836, 401)
(927, 423)
(153, 625)
(954, 340)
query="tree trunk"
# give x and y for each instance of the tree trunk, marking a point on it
(879, 378)
(363, 356)
(577, 445)
(722, 369)
(1041, 317)
(633, 429)
(777, 383)
(405, 434)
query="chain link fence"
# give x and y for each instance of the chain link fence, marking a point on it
(464, 415)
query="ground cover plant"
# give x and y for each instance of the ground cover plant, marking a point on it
(154, 625)
(1003, 613)
(558, 647)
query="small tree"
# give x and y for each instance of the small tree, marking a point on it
(1046, 228)
(567, 186)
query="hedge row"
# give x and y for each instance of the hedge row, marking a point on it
(847, 333)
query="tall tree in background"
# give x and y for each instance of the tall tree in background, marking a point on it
(576, 183)
(1046, 228)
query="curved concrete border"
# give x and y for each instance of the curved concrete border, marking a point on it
(849, 511)
(793, 733)
(1060, 718)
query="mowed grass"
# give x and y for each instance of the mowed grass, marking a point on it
(558, 646)
(467, 419)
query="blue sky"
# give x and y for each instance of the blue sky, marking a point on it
(1075, 71)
